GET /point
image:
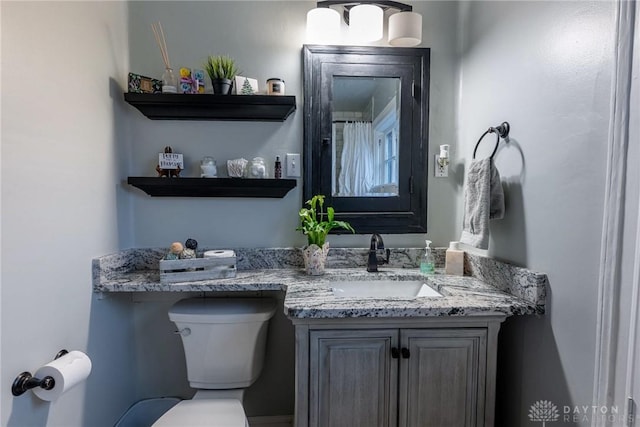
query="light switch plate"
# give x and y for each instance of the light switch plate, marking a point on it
(293, 165)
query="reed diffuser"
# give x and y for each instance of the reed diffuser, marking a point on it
(169, 80)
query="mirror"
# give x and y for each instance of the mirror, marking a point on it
(365, 134)
(365, 126)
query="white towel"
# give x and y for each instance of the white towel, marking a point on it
(483, 200)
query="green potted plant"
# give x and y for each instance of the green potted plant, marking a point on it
(222, 70)
(314, 225)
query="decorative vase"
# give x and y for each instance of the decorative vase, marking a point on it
(221, 86)
(315, 258)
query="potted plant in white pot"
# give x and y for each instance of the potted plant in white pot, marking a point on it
(316, 228)
(221, 70)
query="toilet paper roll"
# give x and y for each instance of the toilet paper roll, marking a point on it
(219, 254)
(67, 371)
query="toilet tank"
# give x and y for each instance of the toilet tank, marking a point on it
(223, 338)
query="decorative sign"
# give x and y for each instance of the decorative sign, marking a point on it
(170, 161)
(143, 84)
(245, 86)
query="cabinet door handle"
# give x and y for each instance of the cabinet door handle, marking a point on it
(395, 353)
(405, 353)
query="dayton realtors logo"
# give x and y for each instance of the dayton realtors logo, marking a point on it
(545, 411)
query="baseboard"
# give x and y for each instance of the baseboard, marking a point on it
(271, 421)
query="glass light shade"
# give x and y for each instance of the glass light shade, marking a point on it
(323, 25)
(365, 23)
(405, 29)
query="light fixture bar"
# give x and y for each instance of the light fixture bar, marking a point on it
(347, 5)
(405, 26)
(402, 7)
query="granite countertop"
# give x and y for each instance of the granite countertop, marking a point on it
(488, 286)
(461, 296)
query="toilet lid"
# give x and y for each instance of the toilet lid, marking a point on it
(204, 413)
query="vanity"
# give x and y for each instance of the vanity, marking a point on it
(369, 353)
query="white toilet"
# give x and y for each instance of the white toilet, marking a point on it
(224, 341)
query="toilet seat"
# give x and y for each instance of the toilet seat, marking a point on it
(205, 413)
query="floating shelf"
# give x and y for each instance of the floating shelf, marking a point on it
(212, 187)
(172, 106)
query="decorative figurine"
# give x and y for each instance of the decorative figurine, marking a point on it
(175, 251)
(189, 251)
(166, 172)
(198, 81)
(186, 82)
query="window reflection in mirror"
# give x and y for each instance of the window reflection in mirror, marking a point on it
(365, 133)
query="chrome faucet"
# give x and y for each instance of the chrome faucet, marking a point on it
(376, 245)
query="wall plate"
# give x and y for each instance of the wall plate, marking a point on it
(440, 171)
(293, 165)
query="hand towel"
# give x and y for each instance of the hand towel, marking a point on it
(483, 200)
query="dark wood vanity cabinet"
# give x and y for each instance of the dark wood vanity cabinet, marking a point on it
(413, 374)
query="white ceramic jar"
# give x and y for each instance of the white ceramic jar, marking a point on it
(208, 167)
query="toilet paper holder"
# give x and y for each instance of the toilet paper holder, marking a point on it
(25, 381)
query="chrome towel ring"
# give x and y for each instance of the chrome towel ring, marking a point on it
(501, 131)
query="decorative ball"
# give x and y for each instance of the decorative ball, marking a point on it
(176, 248)
(191, 244)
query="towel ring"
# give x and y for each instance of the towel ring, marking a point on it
(501, 131)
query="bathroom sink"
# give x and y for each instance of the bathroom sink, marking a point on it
(383, 288)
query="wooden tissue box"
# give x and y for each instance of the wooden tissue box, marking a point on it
(195, 269)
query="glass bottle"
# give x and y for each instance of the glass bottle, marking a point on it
(427, 263)
(169, 81)
(277, 171)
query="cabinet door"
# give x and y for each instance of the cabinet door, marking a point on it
(353, 382)
(442, 377)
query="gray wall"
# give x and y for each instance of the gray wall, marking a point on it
(64, 67)
(266, 39)
(546, 68)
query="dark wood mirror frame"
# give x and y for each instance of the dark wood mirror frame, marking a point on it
(406, 213)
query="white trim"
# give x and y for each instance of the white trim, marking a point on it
(634, 319)
(634, 315)
(611, 240)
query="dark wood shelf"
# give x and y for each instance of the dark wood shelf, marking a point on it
(172, 106)
(212, 187)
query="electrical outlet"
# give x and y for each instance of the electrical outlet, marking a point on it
(440, 171)
(293, 165)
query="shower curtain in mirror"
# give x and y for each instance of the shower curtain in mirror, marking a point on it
(356, 175)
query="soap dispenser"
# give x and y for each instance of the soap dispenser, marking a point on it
(427, 264)
(454, 260)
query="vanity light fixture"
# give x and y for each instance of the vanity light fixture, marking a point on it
(366, 21)
(323, 25)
